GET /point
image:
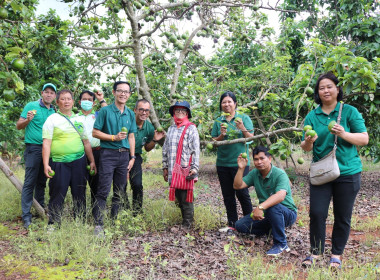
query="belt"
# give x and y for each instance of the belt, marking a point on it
(96, 148)
(29, 144)
(123, 150)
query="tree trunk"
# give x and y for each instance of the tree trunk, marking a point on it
(17, 183)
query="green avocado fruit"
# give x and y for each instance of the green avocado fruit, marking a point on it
(51, 173)
(331, 125)
(283, 156)
(124, 129)
(300, 160)
(311, 133)
(88, 167)
(210, 146)
(92, 172)
(307, 127)
(244, 155)
(160, 129)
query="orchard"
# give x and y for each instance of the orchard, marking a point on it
(158, 48)
(195, 51)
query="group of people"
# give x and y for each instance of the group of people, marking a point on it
(109, 143)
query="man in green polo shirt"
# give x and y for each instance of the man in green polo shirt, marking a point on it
(145, 137)
(115, 126)
(32, 119)
(276, 209)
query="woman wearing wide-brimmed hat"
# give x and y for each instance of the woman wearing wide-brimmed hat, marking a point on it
(181, 135)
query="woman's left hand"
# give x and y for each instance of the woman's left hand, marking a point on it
(338, 130)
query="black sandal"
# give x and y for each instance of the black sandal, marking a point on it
(310, 259)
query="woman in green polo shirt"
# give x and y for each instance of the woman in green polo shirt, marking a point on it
(351, 132)
(231, 125)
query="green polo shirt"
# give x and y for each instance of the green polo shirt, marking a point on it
(275, 181)
(227, 154)
(33, 131)
(347, 155)
(143, 135)
(110, 121)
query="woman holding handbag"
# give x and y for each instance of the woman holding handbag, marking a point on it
(180, 159)
(350, 132)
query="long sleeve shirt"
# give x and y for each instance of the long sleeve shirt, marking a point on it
(191, 147)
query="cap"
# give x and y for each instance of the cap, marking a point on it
(50, 85)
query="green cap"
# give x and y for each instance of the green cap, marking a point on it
(50, 85)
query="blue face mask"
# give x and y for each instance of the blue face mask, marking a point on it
(86, 105)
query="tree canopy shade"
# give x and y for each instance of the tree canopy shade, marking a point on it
(156, 45)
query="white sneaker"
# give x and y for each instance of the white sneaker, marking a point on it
(99, 232)
(226, 229)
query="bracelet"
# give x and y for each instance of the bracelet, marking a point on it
(103, 101)
(112, 138)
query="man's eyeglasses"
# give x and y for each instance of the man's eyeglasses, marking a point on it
(120, 91)
(141, 110)
(180, 110)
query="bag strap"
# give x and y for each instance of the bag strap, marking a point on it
(180, 144)
(73, 126)
(338, 122)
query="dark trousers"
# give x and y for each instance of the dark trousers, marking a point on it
(93, 181)
(276, 219)
(187, 208)
(67, 174)
(343, 191)
(112, 167)
(135, 179)
(226, 178)
(34, 182)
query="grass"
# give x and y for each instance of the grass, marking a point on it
(41, 254)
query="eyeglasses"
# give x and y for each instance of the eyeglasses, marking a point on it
(141, 110)
(120, 91)
(180, 110)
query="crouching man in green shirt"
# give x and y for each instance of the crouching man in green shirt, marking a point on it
(276, 209)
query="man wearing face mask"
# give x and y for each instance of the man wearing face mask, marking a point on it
(87, 116)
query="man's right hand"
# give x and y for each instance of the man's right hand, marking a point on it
(47, 170)
(242, 162)
(99, 95)
(30, 115)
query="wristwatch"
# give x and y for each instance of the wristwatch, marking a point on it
(103, 101)
(133, 157)
(261, 207)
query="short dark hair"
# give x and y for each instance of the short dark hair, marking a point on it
(227, 93)
(143, 100)
(89, 93)
(261, 149)
(65, 91)
(119, 83)
(334, 79)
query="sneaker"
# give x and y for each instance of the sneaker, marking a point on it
(277, 249)
(27, 224)
(227, 229)
(50, 229)
(98, 231)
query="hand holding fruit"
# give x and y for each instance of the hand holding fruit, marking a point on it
(122, 134)
(99, 95)
(30, 115)
(257, 214)
(223, 129)
(92, 168)
(242, 161)
(336, 128)
(49, 173)
(310, 135)
(159, 133)
(239, 124)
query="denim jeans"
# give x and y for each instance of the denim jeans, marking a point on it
(135, 178)
(35, 180)
(226, 177)
(276, 219)
(112, 167)
(67, 174)
(343, 191)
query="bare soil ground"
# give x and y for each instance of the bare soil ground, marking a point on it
(177, 253)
